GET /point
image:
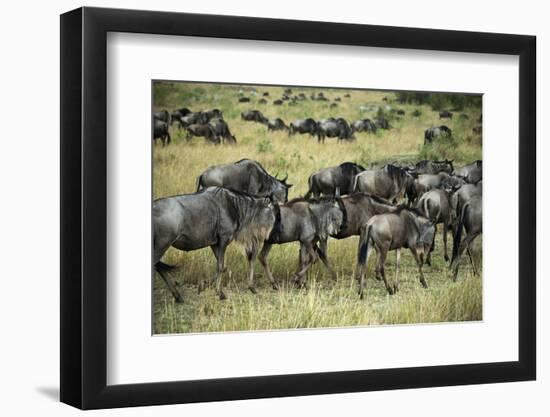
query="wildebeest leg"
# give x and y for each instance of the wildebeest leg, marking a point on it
(465, 244)
(263, 260)
(397, 264)
(445, 226)
(471, 259)
(362, 271)
(381, 261)
(219, 252)
(323, 256)
(307, 256)
(251, 257)
(419, 263)
(171, 286)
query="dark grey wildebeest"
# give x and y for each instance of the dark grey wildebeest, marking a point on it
(254, 116)
(178, 114)
(382, 123)
(160, 131)
(433, 167)
(437, 132)
(404, 228)
(206, 131)
(388, 182)
(213, 218)
(445, 114)
(162, 115)
(471, 173)
(363, 125)
(424, 183)
(221, 130)
(435, 205)
(333, 180)
(303, 126)
(307, 222)
(276, 124)
(334, 128)
(245, 175)
(471, 218)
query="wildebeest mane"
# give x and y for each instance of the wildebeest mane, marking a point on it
(349, 168)
(270, 180)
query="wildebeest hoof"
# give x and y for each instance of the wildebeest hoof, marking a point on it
(222, 295)
(253, 290)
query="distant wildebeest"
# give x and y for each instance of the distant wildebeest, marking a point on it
(382, 123)
(276, 124)
(213, 114)
(403, 228)
(471, 173)
(160, 131)
(288, 91)
(445, 114)
(176, 115)
(221, 130)
(434, 133)
(306, 222)
(302, 96)
(416, 113)
(245, 175)
(337, 99)
(388, 182)
(433, 167)
(334, 128)
(435, 205)
(477, 130)
(262, 101)
(333, 105)
(400, 112)
(254, 116)
(303, 126)
(334, 180)
(213, 217)
(278, 102)
(470, 219)
(265, 94)
(347, 95)
(206, 131)
(162, 115)
(363, 125)
(285, 97)
(244, 100)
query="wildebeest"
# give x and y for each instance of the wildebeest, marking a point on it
(382, 123)
(308, 222)
(434, 133)
(424, 183)
(435, 205)
(221, 130)
(471, 173)
(162, 115)
(471, 220)
(262, 101)
(244, 99)
(404, 228)
(288, 91)
(388, 182)
(337, 99)
(213, 217)
(265, 93)
(178, 114)
(363, 125)
(276, 124)
(303, 126)
(445, 114)
(333, 105)
(464, 194)
(347, 95)
(206, 131)
(334, 180)
(245, 175)
(254, 116)
(334, 128)
(400, 112)
(194, 118)
(213, 113)
(433, 167)
(160, 131)
(278, 102)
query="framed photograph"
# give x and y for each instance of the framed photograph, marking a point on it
(257, 208)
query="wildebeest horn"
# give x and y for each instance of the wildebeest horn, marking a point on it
(285, 178)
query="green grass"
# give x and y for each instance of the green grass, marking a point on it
(325, 303)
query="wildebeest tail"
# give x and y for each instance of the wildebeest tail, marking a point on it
(458, 234)
(310, 184)
(364, 248)
(427, 208)
(162, 267)
(354, 184)
(199, 183)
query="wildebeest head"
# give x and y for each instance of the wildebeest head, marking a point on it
(280, 189)
(330, 213)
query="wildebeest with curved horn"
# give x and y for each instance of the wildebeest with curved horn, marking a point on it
(245, 175)
(306, 222)
(334, 128)
(303, 126)
(160, 131)
(212, 217)
(404, 228)
(434, 133)
(470, 219)
(276, 124)
(471, 173)
(221, 130)
(388, 182)
(333, 180)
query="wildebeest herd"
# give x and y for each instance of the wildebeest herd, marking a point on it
(390, 208)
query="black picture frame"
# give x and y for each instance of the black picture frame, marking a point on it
(84, 207)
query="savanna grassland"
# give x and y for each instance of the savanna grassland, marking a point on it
(325, 303)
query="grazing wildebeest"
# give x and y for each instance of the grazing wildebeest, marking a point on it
(160, 131)
(347, 95)
(288, 91)
(245, 175)
(285, 97)
(388, 182)
(445, 114)
(333, 105)
(278, 102)
(470, 219)
(334, 128)
(363, 125)
(435, 205)
(400, 112)
(404, 228)
(213, 113)
(307, 222)
(334, 180)
(303, 126)
(244, 100)
(433, 167)
(276, 124)
(206, 131)
(254, 116)
(434, 133)
(337, 99)
(382, 123)
(221, 130)
(471, 173)
(213, 217)
(301, 97)
(162, 115)
(262, 101)
(477, 130)
(265, 94)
